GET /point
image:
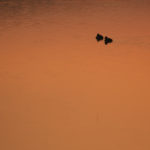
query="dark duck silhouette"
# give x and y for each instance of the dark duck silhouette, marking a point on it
(99, 37)
(108, 40)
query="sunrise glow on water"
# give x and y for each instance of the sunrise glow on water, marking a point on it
(60, 89)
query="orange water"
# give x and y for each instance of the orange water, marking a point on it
(62, 90)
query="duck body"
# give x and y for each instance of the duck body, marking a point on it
(99, 37)
(108, 40)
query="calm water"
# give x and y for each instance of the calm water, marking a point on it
(62, 90)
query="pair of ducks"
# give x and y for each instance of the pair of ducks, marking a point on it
(106, 40)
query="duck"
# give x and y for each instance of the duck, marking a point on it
(100, 37)
(108, 40)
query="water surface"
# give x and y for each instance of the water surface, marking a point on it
(60, 88)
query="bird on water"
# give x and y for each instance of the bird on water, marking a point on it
(100, 37)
